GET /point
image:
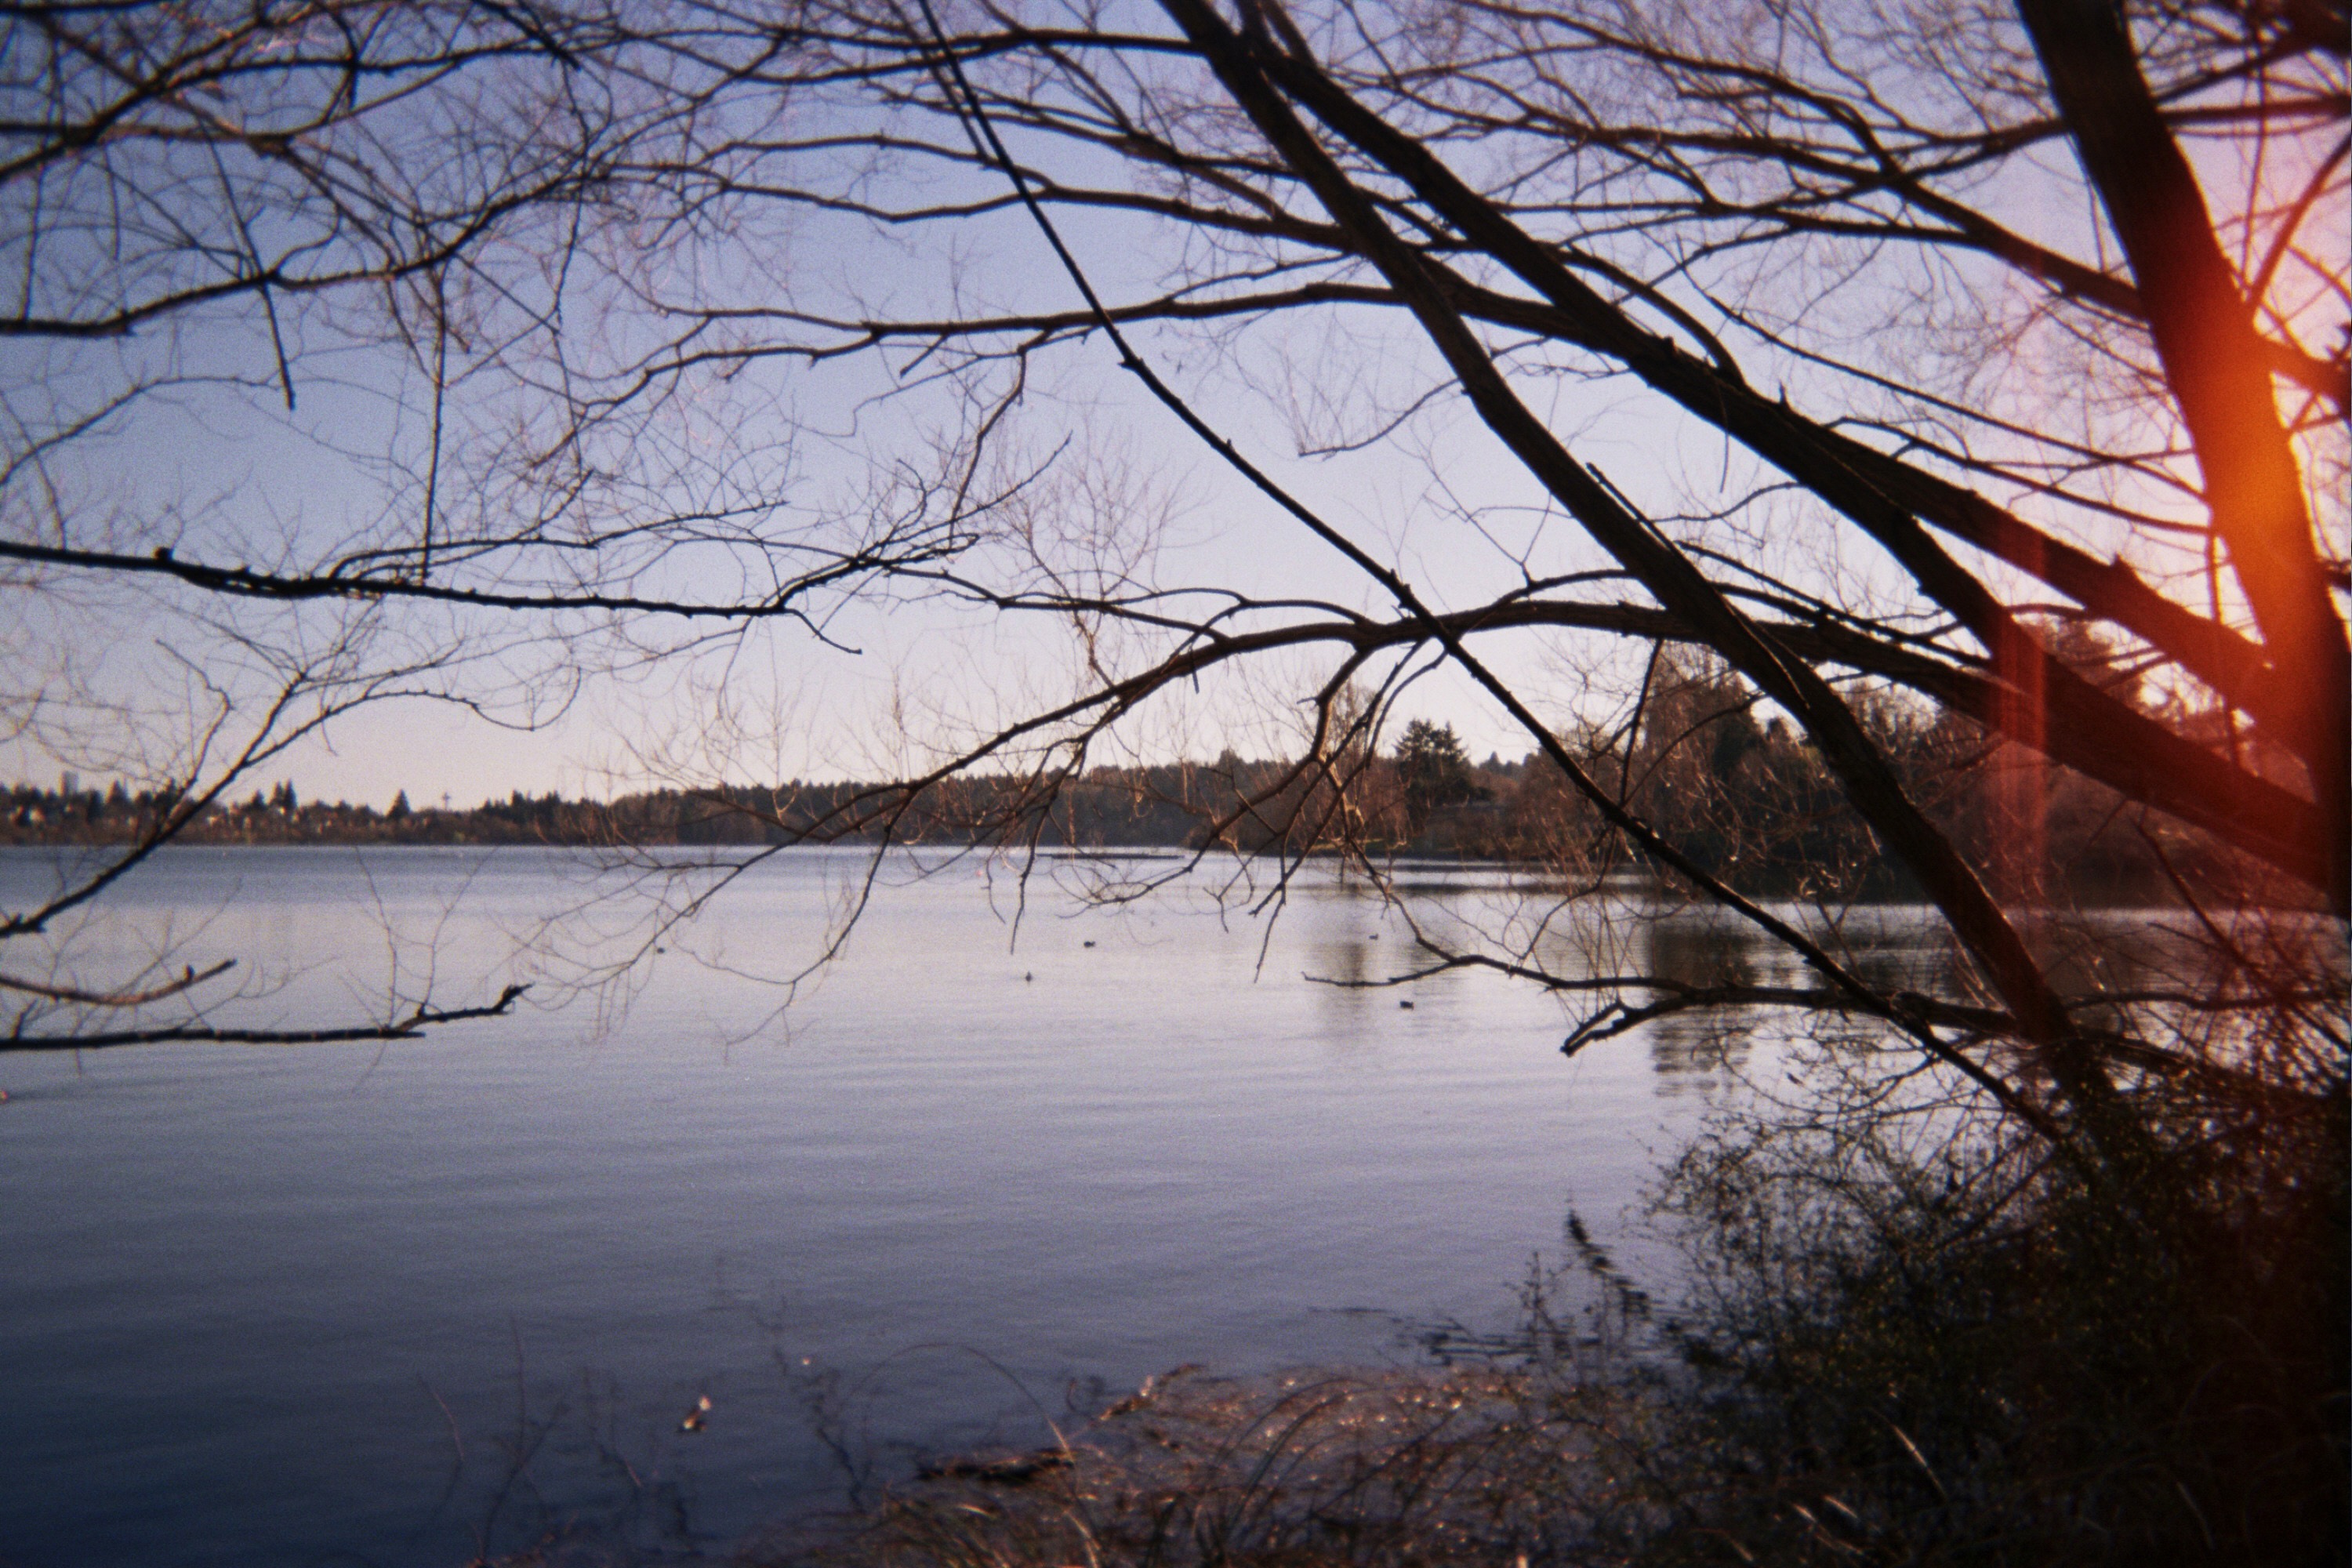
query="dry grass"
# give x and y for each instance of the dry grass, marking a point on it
(1428, 1467)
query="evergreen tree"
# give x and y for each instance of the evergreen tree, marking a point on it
(1433, 769)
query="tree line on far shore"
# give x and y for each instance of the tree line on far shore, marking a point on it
(1751, 799)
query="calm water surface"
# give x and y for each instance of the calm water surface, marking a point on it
(394, 1304)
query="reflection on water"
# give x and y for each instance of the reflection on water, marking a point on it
(1690, 1049)
(413, 1302)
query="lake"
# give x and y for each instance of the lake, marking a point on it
(399, 1303)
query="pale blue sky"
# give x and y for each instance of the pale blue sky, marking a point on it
(249, 476)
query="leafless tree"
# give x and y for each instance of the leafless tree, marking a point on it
(1923, 272)
(283, 287)
(2016, 337)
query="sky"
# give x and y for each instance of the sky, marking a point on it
(237, 478)
(127, 676)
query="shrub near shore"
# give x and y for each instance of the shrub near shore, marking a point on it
(1910, 1336)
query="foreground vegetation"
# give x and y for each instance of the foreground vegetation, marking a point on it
(1906, 1335)
(1910, 1338)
